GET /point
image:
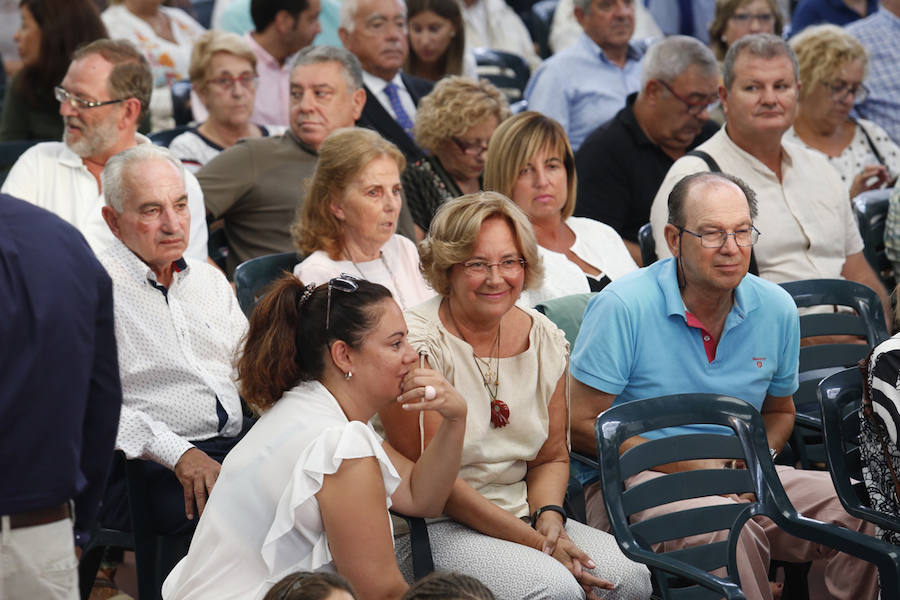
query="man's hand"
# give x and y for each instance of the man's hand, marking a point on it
(197, 473)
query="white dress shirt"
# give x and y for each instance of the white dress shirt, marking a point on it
(376, 85)
(176, 349)
(53, 177)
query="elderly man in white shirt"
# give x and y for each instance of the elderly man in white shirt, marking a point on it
(103, 97)
(805, 219)
(178, 326)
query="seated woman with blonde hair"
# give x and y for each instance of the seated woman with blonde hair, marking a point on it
(310, 485)
(349, 219)
(504, 522)
(531, 162)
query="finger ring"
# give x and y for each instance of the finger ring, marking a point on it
(430, 393)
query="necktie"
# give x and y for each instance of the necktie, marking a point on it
(402, 116)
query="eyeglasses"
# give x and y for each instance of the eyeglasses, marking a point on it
(344, 283)
(693, 108)
(507, 267)
(764, 19)
(227, 82)
(717, 239)
(840, 90)
(470, 148)
(75, 102)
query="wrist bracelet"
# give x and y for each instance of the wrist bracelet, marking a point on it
(550, 507)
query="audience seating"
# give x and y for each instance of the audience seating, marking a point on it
(820, 360)
(252, 276)
(871, 214)
(647, 245)
(165, 136)
(684, 573)
(10, 153)
(509, 72)
(217, 247)
(840, 396)
(540, 21)
(203, 10)
(181, 102)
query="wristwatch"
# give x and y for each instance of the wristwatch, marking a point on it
(773, 453)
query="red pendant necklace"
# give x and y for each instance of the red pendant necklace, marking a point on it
(499, 408)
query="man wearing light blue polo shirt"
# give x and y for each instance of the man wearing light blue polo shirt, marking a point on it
(585, 85)
(699, 323)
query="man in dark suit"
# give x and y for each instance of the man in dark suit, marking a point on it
(375, 31)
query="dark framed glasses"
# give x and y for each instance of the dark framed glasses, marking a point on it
(343, 283)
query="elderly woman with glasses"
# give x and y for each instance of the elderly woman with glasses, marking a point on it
(531, 162)
(454, 123)
(223, 74)
(832, 68)
(349, 220)
(309, 486)
(736, 18)
(504, 522)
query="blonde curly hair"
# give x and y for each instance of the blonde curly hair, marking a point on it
(821, 50)
(455, 104)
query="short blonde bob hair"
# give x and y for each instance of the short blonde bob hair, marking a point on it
(343, 154)
(516, 141)
(821, 50)
(455, 104)
(211, 42)
(454, 234)
(725, 9)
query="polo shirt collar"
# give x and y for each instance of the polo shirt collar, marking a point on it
(139, 271)
(631, 124)
(632, 54)
(746, 297)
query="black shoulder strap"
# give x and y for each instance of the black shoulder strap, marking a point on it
(875, 151)
(714, 167)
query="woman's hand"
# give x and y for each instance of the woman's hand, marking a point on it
(575, 560)
(426, 389)
(870, 178)
(550, 525)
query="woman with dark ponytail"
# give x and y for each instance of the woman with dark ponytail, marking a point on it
(309, 486)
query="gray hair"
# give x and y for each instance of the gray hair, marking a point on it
(115, 189)
(761, 45)
(349, 8)
(679, 194)
(350, 67)
(670, 57)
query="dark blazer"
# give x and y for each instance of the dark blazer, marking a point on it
(374, 116)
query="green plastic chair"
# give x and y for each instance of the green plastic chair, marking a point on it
(567, 313)
(252, 276)
(840, 396)
(819, 361)
(684, 574)
(647, 245)
(871, 210)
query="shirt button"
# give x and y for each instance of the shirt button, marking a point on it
(705, 338)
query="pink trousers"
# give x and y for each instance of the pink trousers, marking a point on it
(812, 494)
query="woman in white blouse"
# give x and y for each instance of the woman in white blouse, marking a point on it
(309, 486)
(348, 222)
(531, 162)
(832, 68)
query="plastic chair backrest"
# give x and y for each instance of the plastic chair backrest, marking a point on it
(748, 443)
(203, 10)
(820, 360)
(871, 210)
(252, 276)
(647, 245)
(567, 313)
(840, 396)
(509, 72)
(540, 22)
(181, 102)
(165, 136)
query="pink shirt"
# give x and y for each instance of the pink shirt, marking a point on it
(271, 107)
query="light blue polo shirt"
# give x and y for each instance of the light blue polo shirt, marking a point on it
(635, 343)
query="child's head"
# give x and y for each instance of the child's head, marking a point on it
(311, 586)
(448, 586)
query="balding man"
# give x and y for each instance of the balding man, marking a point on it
(698, 323)
(622, 163)
(102, 98)
(178, 326)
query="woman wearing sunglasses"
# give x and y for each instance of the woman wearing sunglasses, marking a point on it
(832, 68)
(309, 486)
(348, 222)
(504, 522)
